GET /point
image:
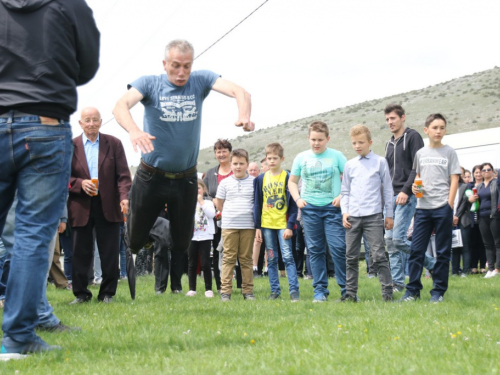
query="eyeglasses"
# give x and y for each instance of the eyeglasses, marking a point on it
(486, 170)
(91, 120)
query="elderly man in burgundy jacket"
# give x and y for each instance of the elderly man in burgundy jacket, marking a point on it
(98, 196)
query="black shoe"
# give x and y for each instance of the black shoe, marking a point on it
(273, 296)
(348, 298)
(107, 299)
(59, 327)
(408, 297)
(397, 288)
(79, 300)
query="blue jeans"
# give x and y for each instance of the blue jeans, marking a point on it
(123, 249)
(398, 244)
(45, 311)
(440, 220)
(271, 238)
(322, 226)
(35, 160)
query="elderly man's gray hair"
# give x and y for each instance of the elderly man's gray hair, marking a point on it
(183, 46)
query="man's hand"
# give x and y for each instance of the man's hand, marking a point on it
(345, 221)
(62, 228)
(336, 201)
(288, 234)
(301, 203)
(124, 206)
(416, 189)
(389, 223)
(89, 188)
(402, 198)
(258, 235)
(455, 221)
(247, 125)
(142, 140)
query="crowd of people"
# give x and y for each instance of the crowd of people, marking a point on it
(77, 193)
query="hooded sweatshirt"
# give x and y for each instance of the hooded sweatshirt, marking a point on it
(400, 154)
(47, 49)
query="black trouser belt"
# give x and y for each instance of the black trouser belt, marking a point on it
(170, 175)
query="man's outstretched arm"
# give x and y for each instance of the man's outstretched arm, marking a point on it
(124, 118)
(243, 99)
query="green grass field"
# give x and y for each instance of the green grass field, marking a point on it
(176, 334)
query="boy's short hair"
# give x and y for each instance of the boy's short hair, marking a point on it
(222, 144)
(239, 153)
(360, 129)
(319, 127)
(275, 148)
(263, 161)
(393, 107)
(432, 117)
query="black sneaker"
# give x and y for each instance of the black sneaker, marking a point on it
(295, 296)
(80, 300)
(398, 288)
(436, 299)
(107, 299)
(249, 297)
(59, 327)
(273, 296)
(408, 297)
(348, 298)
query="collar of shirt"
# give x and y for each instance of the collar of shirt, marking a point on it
(85, 139)
(367, 156)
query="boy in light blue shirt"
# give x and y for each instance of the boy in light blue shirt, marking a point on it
(320, 169)
(366, 191)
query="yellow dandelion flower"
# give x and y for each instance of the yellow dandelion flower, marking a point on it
(339, 326)
(252, 341)
(459, 333)
(244, 333)
(453, 336)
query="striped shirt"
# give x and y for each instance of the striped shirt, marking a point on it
(238, 202)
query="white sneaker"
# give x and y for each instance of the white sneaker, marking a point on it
(191, 293)
(488, 274)
(494, 273)
(209, 294)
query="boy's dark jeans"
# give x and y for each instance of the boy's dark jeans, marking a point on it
(440, 219)
(148, 196)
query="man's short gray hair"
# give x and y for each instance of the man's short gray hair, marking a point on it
(183, 46)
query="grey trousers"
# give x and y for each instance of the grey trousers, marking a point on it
(373, 228)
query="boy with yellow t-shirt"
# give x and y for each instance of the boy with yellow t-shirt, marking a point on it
(275, 213)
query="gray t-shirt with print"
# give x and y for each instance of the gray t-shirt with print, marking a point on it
(435, 166)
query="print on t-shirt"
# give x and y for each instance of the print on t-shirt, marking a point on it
(178, 108)
(274, 201)
(201, 224)
(319, 176)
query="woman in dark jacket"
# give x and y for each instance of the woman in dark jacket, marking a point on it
(476, 246)
(213, 177)
(489, 218)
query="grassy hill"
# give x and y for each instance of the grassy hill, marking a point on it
(469, 103)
